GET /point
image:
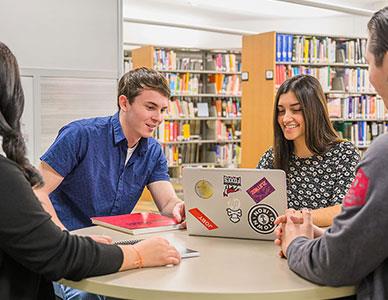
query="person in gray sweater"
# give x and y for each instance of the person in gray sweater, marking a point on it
(354, 250)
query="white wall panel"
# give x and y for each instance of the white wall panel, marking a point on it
(68, 99)
(62, 34)
(27, 120)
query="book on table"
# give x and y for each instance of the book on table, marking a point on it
(138, 223)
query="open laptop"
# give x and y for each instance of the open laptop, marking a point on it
(237, 203)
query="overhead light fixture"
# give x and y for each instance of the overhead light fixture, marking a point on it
(334, 7)
(193, 2)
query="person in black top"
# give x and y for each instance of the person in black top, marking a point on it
(319, 165)
(33, 250)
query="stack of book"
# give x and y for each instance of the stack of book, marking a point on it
(138, 223)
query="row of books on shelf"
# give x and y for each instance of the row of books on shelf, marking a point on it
(312, 49)
(361, 133)
(357, 107)
(176, 131)
(224, 84)
(184, 83)
(170, 60)
(228, 155)
(227, 108)
(188, 63)
(225, 62)
(188, 83)
(355, 80)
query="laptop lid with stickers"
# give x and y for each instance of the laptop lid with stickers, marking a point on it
(238, 203)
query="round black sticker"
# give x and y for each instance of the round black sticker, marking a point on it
(261, 218)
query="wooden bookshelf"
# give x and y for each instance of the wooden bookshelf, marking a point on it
(258, 56)
(259, 60)
(143, 57)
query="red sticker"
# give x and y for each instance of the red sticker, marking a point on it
(356, 195)
(201, 217)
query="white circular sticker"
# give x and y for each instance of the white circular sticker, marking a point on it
(261, 218)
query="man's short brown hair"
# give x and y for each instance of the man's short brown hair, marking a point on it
(135, 81)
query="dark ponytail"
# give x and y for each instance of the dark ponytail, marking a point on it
(11, 109)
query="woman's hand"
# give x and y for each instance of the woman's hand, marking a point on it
(157, 251)
(152, 252)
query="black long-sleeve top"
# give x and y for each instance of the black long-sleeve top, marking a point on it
(34, 251)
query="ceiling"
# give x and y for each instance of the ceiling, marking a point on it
(244, 10)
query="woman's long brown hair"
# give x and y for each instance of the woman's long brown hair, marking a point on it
(319, 134)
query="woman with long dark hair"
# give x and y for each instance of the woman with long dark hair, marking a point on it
(33, 250)
(319, 165)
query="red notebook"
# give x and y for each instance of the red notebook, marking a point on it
(138, 223)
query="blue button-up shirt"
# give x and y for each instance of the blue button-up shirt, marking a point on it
(90, 154)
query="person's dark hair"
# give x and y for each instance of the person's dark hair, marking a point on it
(135, 81)
(11, 109)
(319, 131)
(378, 35)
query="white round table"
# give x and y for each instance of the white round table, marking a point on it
(226, 269)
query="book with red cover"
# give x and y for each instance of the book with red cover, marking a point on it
(138, 223)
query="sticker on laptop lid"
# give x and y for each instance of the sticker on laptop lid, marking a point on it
(261, 218)
(202, 218)
(204, 189)
(232, 184)
(234, 211)
(260, 190)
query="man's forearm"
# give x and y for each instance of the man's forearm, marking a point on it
(167, 209)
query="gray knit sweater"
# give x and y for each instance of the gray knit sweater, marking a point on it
(354, 250)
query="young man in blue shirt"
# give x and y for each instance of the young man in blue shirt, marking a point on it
(100, 166)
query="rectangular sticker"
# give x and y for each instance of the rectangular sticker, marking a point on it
(201, 217)
(232, 184)
(260, 190)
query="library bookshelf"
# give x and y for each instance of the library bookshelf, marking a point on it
(268, 59)
(203, 124)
